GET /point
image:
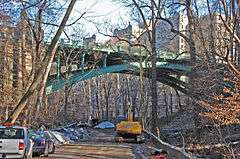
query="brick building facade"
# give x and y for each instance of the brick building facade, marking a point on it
(16, 55)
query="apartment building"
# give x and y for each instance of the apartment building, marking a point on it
(89, 41)
(16, 55)
(213, 37)
(166, 40)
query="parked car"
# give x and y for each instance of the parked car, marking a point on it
(14, 141)
(43, 144)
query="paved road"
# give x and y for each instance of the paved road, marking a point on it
(101, 145)
(96, 151)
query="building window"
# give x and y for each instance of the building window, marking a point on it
(181, 40)
(2, 34)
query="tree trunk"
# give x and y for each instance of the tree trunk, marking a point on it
(171, 102)
(191, 32)
(97, 99)
(65, 110)
(134, 104)
(238, 34)
(192, 50)
(90, 105)
(154, 75)
(26, 114)
(125, 99)
(44, 70)
(165, 102)
(141, 83)
(6, 112)
(178, 100)
(212, 42)
(107, 109)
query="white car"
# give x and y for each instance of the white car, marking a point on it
(14, 142)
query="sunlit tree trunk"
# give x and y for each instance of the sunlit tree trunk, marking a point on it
(238, 34)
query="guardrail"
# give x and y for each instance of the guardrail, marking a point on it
(173, 151)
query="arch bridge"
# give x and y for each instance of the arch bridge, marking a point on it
(172, 69)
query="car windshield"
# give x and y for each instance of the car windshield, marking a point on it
(11, 133)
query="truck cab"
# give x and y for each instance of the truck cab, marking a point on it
(14, 141)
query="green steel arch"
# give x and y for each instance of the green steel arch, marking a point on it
(57, 84)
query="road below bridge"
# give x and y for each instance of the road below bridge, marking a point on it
(101, 145)
(97, 151)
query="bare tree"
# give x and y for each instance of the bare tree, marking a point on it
(44, 69)
(107, 86)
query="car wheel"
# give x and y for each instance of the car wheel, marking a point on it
(45, 155)
(36, 155)
(53, 150)
(46, 151)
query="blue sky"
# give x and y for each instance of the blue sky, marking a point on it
(97, 12)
